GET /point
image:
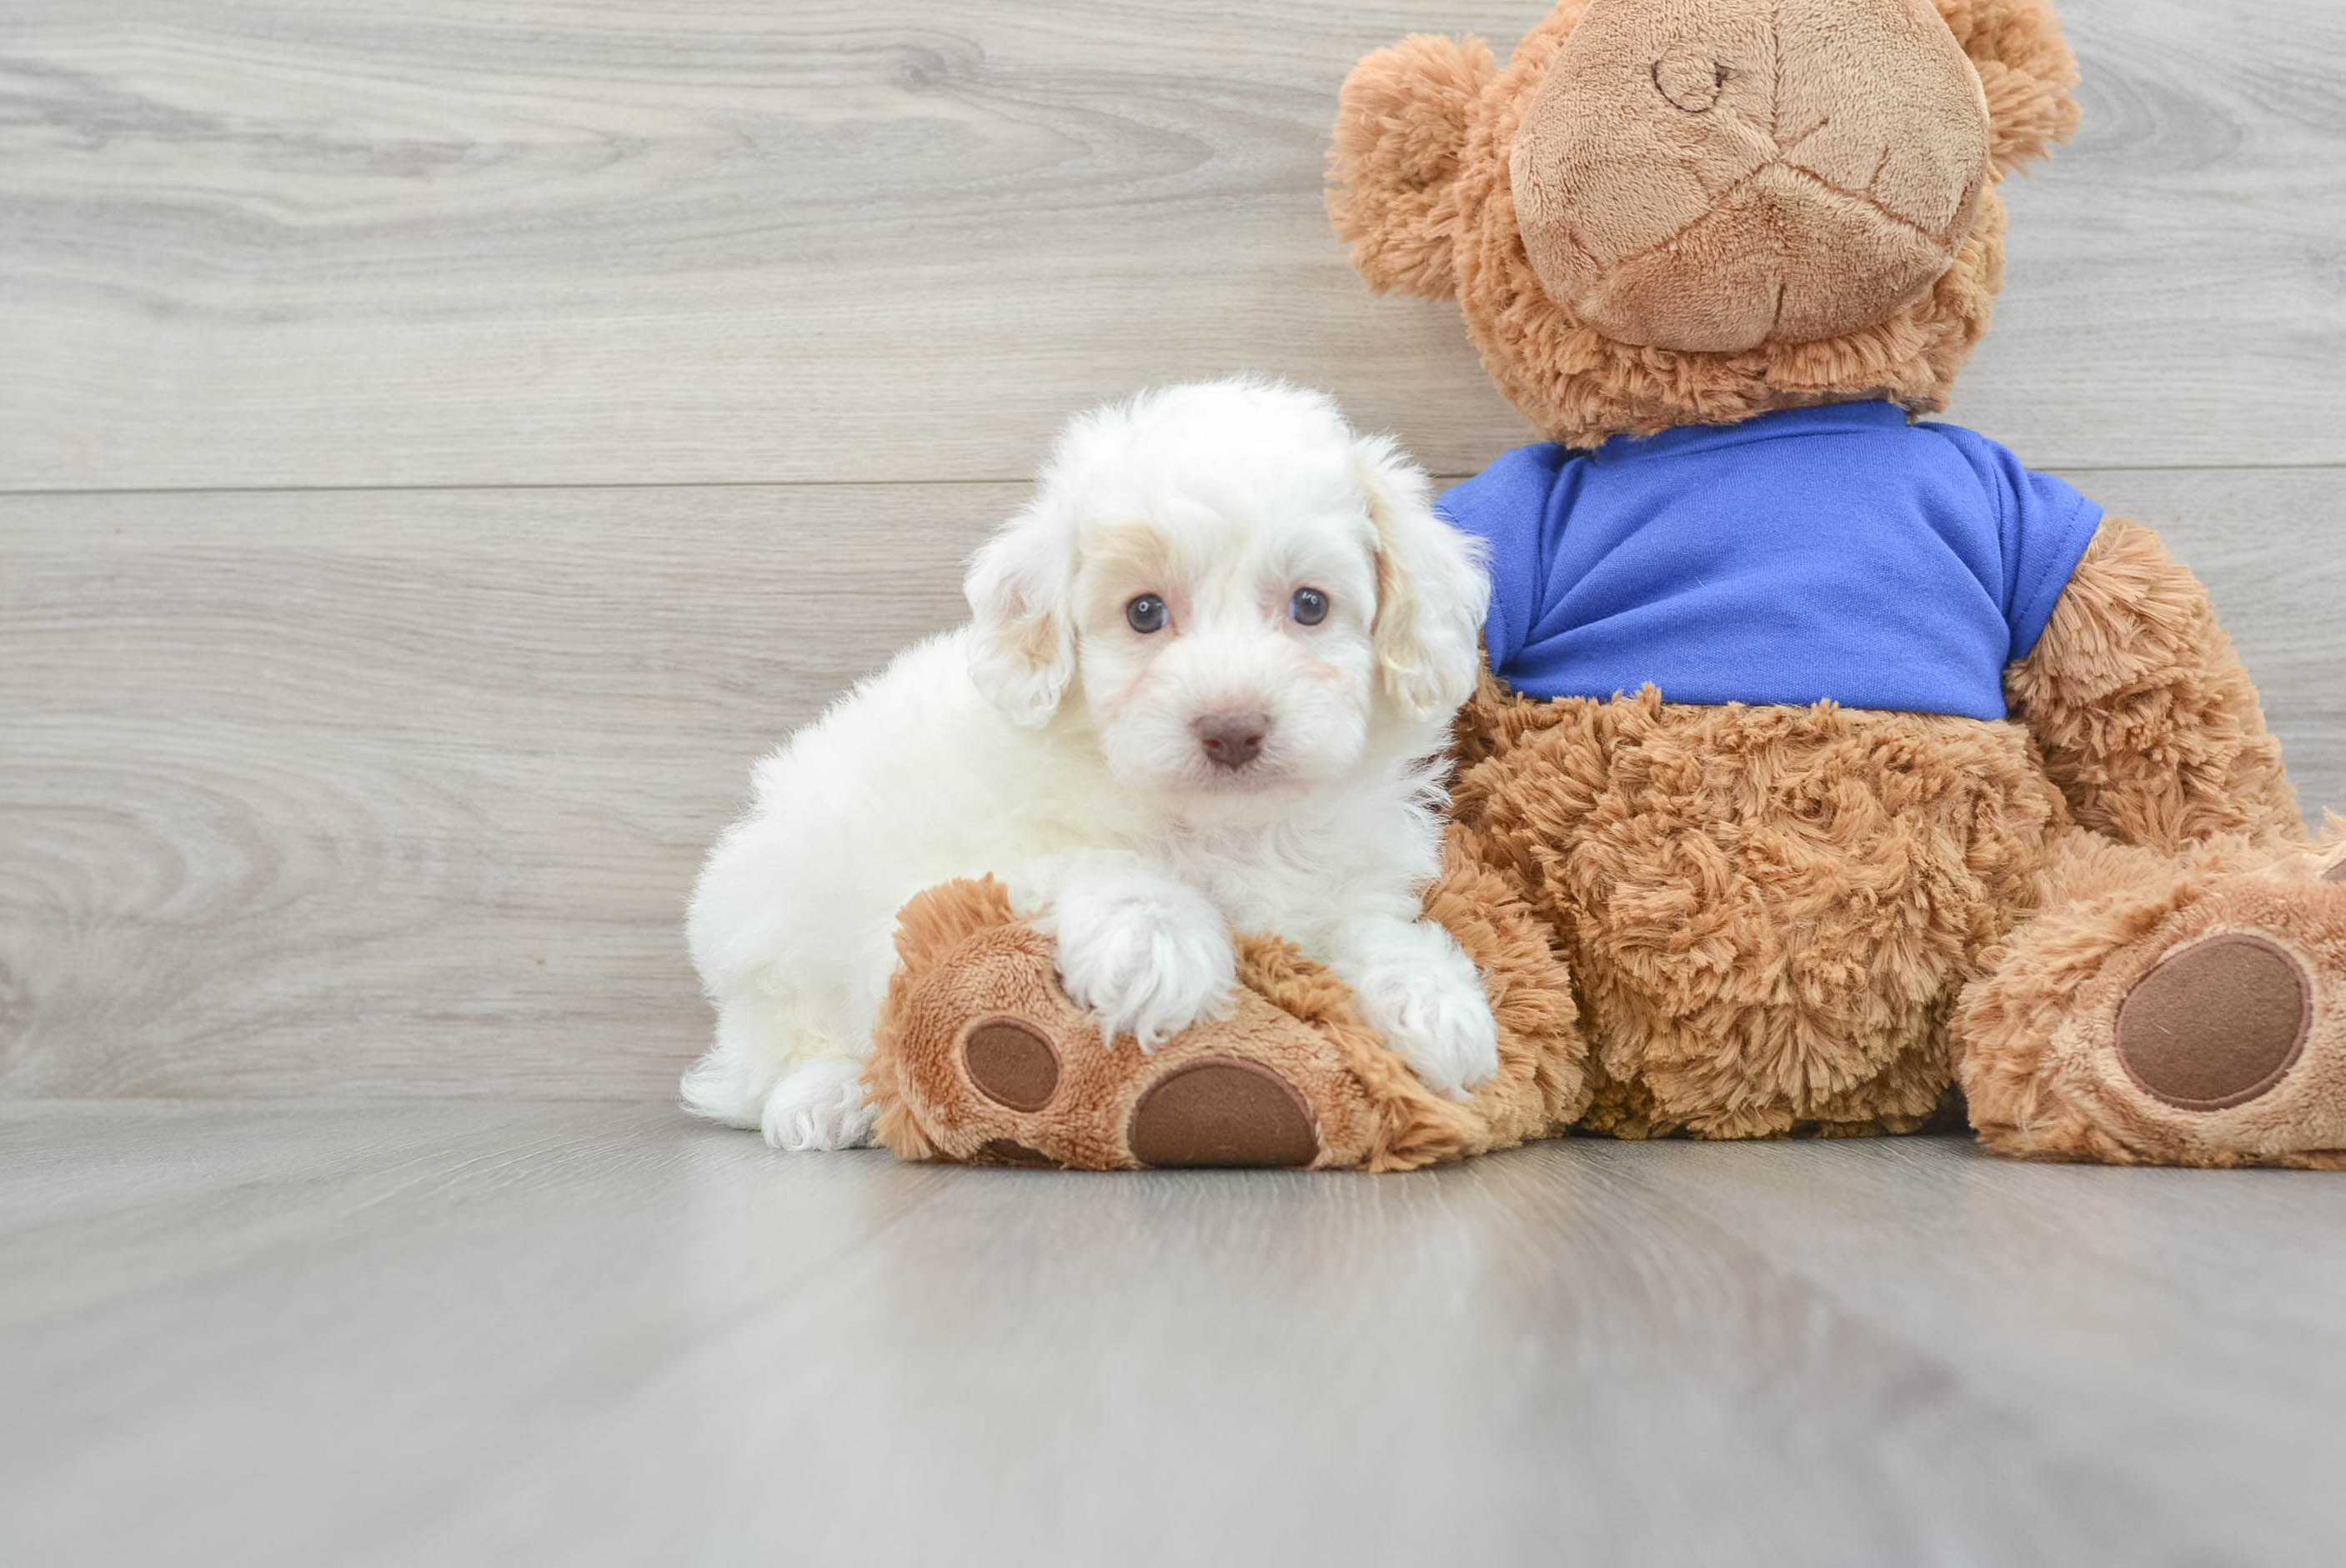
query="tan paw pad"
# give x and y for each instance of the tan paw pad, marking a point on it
(1221, 1111)
(2217, 1024)
(1011, 1063)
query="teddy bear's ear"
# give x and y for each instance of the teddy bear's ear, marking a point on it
(2024, 63)
(1401, 125)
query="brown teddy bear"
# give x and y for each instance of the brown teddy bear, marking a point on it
(1829, 759)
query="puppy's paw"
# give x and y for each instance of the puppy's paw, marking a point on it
(1442, 1027)
(1433, 1011)
(1145, 957)
(819, 1105)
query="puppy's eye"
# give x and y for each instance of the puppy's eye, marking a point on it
(1146, 614)
(1308, 607)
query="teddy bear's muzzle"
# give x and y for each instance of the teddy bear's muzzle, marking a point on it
(1711, 176)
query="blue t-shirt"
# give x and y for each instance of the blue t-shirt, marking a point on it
(1836, 552)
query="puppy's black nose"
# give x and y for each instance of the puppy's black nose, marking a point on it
(1232, 739)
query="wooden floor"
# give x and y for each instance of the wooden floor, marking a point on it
(443, 1333)
(442, 445)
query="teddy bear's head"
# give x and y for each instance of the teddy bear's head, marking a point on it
(1665, 212)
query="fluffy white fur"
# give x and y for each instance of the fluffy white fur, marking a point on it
(1052, 744)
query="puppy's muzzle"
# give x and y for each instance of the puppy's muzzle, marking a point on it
(1232, 740)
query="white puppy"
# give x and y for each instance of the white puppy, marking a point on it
(1206, 689)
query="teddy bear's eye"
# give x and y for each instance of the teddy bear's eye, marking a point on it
(1146, 614)
(1308, 607)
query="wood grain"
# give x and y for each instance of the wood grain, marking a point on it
(406, 791)
(522, 1334)
(320, 243)
(403, 792)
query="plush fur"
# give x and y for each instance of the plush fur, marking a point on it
(2040, 1062)
(1769, 911)
(1773, 911)
(1422, 188)
(1784, 920)
(2144, 716)
(1789, 171)
(965, 955)
(1062, 745)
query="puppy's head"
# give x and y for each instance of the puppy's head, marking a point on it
(1248, 599)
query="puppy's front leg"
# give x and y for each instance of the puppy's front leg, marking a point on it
(1144, 954)
(1414, 985)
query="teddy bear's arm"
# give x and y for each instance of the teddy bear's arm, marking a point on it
(2146, 718)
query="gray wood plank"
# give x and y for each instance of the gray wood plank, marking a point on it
(271, 243)
(403, 792)
(457, 1333)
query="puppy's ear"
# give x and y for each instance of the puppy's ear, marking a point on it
(1023, 639)
(1431, 591)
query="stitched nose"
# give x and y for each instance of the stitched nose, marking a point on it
(1232, 739)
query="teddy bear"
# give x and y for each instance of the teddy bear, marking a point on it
(1833, 773)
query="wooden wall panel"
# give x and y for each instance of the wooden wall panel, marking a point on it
(401, 792)
(273, 243)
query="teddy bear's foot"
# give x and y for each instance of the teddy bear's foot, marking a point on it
(981, 1057)
(999, 1067)
(1207, 1111)
(2215, 1037)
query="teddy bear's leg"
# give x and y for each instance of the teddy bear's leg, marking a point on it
(981, 1057)
(2187, 1010)
(1769, 911)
